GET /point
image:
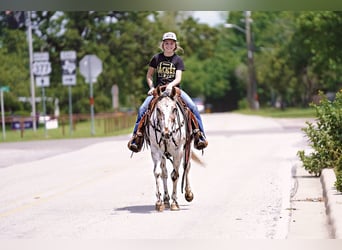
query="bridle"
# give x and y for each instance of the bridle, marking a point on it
(157, 126)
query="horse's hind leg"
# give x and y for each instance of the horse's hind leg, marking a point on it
(189, 196)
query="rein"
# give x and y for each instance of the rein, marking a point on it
(152, 121)
(157, 128)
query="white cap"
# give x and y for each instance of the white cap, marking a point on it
(170, 35)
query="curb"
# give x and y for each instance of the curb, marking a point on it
(333, 202)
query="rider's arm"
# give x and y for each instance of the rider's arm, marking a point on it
(149, 77)
(177, 79)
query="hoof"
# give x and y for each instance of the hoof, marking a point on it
(189, 196)
(174, 206)
(167, 204)
(160, 206)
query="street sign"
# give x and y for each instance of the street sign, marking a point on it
(69, 72)
(69, 80)
(68, 55)
(40, 56)
(69, 67)
(41, 68)
(4, 88)
(68, 59)
(90, 68)
(43, 81)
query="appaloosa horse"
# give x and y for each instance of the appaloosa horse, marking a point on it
(168, 133)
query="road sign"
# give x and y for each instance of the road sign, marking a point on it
(68, 55)
(69, 79)
(40, 56)
(4, 88)
(68, 59)
(41, 68)
(43, 81)
(90, 67)
(69, 67)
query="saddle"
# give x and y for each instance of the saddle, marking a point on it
(191, 121)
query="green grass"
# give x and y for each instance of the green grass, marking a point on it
(278, 113)
(81, 130)
(104, 128)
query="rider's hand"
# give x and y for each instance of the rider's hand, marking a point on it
(150, 92)
(168, 88)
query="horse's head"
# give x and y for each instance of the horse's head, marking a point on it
(161, 91)
(166, 112)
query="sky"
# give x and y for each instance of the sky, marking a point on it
(213, 18)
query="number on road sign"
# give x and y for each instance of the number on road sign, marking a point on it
(41, 68)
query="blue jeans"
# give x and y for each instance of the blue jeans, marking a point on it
(143, 108)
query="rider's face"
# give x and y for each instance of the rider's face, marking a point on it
(169, 45)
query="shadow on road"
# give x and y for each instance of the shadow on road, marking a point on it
(144, 209)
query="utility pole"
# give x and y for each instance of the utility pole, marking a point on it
(33, 96)
(251, 88)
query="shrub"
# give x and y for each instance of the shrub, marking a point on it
(325, 138)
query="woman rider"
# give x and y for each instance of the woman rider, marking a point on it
(168, 67)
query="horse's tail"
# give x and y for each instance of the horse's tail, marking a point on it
(183, 176)
(195, 158)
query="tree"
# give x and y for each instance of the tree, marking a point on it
(317, 48)
(291, 56)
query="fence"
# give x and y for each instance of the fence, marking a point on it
(106, 123)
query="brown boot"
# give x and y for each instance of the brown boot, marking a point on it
(199, 140)
(136, 142)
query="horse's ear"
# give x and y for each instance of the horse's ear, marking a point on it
(173, 92)
(158, 91)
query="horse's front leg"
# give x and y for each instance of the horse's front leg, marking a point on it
(157, 175)
(164, 178)
(175, 177)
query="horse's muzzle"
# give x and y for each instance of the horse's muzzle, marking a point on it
(166, 135)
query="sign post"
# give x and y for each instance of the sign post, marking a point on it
(68, 59)
(90, 68)
(2, 90)
(42, 69)
(115, 97)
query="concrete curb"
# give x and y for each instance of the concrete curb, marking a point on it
(333, 202)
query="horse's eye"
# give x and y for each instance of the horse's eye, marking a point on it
(159, 113)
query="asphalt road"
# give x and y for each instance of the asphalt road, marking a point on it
(92, 189)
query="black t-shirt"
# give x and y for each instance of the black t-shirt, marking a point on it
(166, 67)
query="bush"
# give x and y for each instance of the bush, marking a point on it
(325, 138)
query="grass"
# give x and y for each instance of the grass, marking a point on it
(278, 113)
(81, 130)
(105, 128)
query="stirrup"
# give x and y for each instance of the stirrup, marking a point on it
(136, 142)
(199, 142)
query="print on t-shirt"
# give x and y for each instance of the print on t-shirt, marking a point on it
(166, 70)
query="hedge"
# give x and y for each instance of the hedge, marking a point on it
(325, 138)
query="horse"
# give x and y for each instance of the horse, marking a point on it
(168, 134)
